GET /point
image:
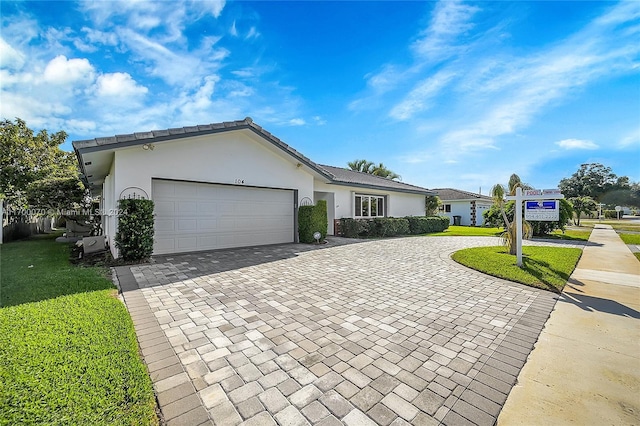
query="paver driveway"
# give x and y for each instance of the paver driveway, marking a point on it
(376, 332)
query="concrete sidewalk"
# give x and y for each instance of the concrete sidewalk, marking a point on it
(585, 368)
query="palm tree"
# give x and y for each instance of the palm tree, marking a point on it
(498, 193)
(363, 166)
(369, 167)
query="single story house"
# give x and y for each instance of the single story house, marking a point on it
(230, 184)
(467, 206)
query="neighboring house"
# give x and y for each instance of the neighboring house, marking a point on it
(230, 184)
(469, 206)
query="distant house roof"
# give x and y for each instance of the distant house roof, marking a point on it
(342, 176)
(334, 175)
(451, 194)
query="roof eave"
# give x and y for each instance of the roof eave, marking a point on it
(384, 188)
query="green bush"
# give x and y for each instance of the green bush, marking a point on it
(312, 219)
(426, 225)
(388, 227)
(610, 214)
(134, 238)
(392, 226)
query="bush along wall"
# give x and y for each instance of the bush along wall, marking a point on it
(312, 219)
(392, 226)
(426, 225)
(134, 238)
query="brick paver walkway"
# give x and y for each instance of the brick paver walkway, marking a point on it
(379, 332)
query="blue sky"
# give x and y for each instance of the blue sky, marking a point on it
(446, 94)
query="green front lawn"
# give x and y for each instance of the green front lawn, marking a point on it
(548, 268)
(630, 238)
(68, 350)
(569, 234)
(468, 231)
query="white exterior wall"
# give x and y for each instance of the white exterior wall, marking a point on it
(459, 208)
(109, 205)
(481, 207)
(229, 158)
(462, 208)
(399, 204)
(402, 204)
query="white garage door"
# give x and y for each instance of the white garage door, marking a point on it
(201, 216)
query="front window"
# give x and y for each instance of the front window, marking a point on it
(447, 208)
(369, 206)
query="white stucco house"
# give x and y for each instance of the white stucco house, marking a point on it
(230, 184)
(469, 206)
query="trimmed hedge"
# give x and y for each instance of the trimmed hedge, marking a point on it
(134, 238)
(312, 219)
(610, 214)
(392, 226)
(426, 225)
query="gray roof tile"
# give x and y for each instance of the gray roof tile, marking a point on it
(336, 175)
(452, 194)
(351, 177)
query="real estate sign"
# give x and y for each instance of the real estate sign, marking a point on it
(542, 210)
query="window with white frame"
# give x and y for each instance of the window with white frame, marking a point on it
(369, 205)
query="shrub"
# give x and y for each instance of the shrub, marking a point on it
(353, 228)
(312, 219)
(425, 225)
(388, 227)
(134, 238)
(610, 214)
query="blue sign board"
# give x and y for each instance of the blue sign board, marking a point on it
(542, 210)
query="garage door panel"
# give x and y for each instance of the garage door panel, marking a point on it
(195, 216)
(164, 207)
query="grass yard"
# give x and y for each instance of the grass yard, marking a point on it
(468, 231)
(618, 225)
(630, 238)
(569, 234)
(547, 268)
(68, 350)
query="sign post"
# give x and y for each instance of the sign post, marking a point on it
(544, 211)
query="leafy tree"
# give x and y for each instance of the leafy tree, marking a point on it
(26, 158)
(493, 217)
(598, 182)
(431, 205)
(371, 168)
(586, 205)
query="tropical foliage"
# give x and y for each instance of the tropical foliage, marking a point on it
(371, 168)
(586, 205)
(498, 193)
(34, 171)
(432, 204)
(601, 184)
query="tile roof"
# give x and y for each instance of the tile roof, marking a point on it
(457, 194)
(351, 177)
(336, 175)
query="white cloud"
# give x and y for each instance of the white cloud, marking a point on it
(449, 20)
(119, 85)
(576, 144)
(61, 70)
(233, 31)
(253, 33)
(10, 57)
(633, 138)
(418, 99)
(297, 122)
